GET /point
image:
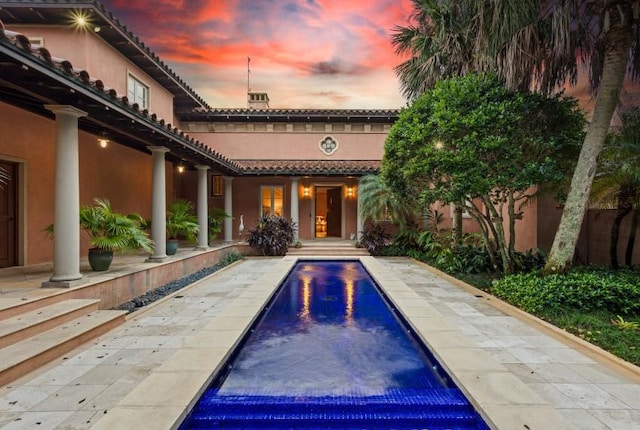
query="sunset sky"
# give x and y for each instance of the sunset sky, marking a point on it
(333, 54)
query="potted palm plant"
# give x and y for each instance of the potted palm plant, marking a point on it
(216, 220)
(110, 232)
(181, 223)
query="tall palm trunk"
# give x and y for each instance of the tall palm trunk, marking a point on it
(628, 256)
(618, 42)
(622, 211)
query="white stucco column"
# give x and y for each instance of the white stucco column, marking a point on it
(228, 208)
(295, 212)
(158, 204)
(66, 218)
(359, 221)
(203, 208)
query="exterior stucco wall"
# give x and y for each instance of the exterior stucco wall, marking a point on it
(293, 145)
(118, 173)
(86, 51)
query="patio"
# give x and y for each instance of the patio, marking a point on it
(146, 373)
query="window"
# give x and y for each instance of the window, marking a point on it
(272, 200)
(217, 186)
(137, 92)
(36, 42)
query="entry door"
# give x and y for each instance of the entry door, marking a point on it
(8, 214)
(334, 212)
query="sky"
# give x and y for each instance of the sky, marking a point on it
(323, 54)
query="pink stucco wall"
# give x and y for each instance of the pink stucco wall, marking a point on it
(118, 173)
(294, 146)
(86, 51)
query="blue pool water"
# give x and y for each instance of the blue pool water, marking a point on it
(329, 352)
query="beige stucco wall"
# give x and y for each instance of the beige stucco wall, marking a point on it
(86, 51)
(118, 173)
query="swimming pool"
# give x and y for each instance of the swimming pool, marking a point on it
(329, 352)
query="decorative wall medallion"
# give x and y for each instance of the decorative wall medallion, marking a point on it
(328, 145)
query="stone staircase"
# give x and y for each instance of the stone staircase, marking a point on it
(327, 247)
(36, 331)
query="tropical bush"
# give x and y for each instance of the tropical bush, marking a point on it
(375, 238)
(112, 231)
(272, 235)
(181, 221)
(588, 289)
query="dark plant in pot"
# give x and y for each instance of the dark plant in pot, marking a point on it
(181, 223)
(110, 232)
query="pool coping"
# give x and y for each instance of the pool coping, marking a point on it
(164, 398)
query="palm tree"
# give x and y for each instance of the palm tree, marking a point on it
(617, 182)
(439, 42)
(377, 202)
(541, 45)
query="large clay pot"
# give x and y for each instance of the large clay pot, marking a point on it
(172, 247)
(100, 259)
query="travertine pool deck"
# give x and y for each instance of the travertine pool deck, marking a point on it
(148, 372)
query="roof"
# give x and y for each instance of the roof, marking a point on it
(387, 116)
(57, 12)
(309, 167)
(31, 78)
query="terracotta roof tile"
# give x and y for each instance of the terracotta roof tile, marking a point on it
(309, 167)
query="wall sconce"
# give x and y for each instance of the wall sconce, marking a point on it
(349, 192)
(180, 168)
(103, 140)
(306, 192)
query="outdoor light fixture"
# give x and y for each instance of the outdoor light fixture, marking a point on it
(306, 192)
(180, 168)
(349, 192)
(103, 140)
(438, 144)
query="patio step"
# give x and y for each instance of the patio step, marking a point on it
(22, 357)
(22, 326)
(328, 248)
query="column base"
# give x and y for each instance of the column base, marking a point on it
(156, 259)
(51, 283)
(201, 248)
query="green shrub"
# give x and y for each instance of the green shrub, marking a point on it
(272, 235)
(586, 290)
(230, 257)
(375, 238)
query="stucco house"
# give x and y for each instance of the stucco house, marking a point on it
(90, 111)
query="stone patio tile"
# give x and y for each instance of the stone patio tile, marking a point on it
(558, 373)
(530, 355)
(597, 374)
(70, 398)
(628, 393)
(498, 389)
(24, 397)
(166, 390)
(89, 357)
(194, 360)
(618, 419)
(103, 375)
(583, 420)
(468, 359)
(38, 420)
(553, 395)
(81, 420)
(60, 375)
(525, 373)
(590, 396)
(139, 418)
(533, 418)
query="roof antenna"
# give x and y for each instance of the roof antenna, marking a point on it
(248, 74)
